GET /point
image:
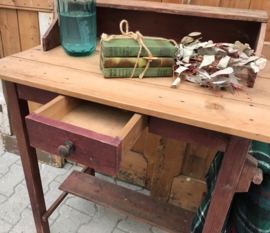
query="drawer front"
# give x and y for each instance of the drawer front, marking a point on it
(93, 149)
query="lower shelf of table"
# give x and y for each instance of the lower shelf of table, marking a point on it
(131, 203)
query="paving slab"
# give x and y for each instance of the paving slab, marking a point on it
(134, 226)
(6, 160)
(119, 231)
(105, 221)
(11, 179)
(61, 177)
(69, 220)
(50, 198)
(5, 227)
(26, 224)
(11, 209)
(84, 206)
(49, 174)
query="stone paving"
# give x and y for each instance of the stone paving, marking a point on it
(73, 215)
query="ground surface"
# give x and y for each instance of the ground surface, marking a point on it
(73, 215)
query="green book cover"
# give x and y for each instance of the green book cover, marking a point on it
(126, 72)
(130, 48)
(129, 62)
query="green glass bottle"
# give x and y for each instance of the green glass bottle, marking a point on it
(78, 27)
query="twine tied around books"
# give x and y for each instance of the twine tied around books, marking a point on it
(139, 38)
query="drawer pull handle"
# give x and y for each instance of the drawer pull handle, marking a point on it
(66, 149)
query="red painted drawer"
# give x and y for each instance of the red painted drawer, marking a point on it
(100, 134)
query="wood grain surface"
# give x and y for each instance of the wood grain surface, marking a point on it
(187, 192)
(9, 28)
(136, 205)
(189, 104)
(37, 5)
(29, 29)
(181, 9)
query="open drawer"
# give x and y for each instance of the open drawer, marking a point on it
(94, 135)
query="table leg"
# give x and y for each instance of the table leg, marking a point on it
(229, 175)
(19, 109)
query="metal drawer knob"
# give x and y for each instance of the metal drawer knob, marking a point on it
(66, 149)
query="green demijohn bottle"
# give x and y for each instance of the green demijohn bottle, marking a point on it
(78, 27)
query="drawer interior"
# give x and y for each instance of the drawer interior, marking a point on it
(88, 115)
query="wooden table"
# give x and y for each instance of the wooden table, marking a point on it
(189, 113)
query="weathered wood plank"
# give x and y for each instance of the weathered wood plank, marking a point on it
(227, 3)
(182, 9)
(40, 5)
(266, 50)
(260, 39)
(187, 192)
(258, 5)
(1, 45)
(265, 6)
(169, 159)
(151, 146)
(195, 2)
(132, 131)
(133, 168)
(91, 65)
(185, 106)
(241, 4)
(9, 28)
(207, 26)
(45, 20)
(139, 145)
(5, 125)
(29, 29)
(129, 202)
(197, 161)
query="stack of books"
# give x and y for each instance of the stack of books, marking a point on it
(119, 56)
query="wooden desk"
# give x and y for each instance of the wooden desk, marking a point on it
(231, 121)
